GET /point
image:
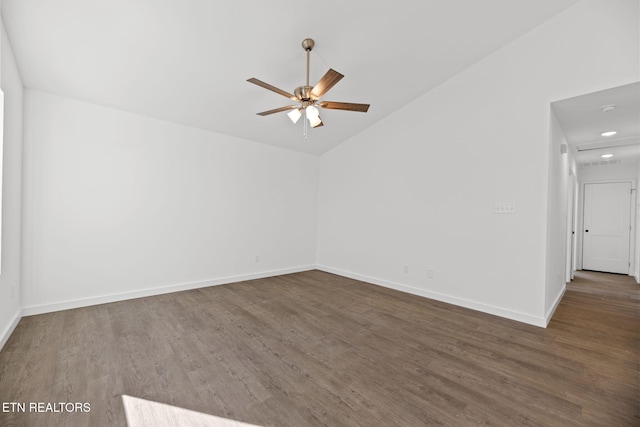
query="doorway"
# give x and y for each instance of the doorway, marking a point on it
(599, 132)
(607, 227)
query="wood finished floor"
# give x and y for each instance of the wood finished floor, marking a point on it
(597, 283)
(312, 348)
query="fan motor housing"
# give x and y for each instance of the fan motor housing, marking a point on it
(303, 93)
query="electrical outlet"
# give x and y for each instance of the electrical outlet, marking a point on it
(12, 291)
(406, 268)
(257, 259)
(430, 274)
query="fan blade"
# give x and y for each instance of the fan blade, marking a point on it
(272, 88)
(348, 106)
(326, 82)
(277, 110)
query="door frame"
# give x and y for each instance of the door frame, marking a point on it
(572, 224)
(633, 213)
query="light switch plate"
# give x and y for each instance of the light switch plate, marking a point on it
(504, 208)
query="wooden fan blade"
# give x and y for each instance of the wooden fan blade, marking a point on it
(271, 88)
(348, 106)
(326, 82)
(277, 110)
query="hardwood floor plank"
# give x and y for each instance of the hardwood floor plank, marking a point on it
(317, 349)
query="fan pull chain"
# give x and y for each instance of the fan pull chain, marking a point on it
(304, 119)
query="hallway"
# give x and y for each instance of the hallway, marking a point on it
(605, 284)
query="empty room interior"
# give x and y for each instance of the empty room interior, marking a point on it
(296, 213)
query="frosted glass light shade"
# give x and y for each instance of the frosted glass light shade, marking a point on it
(314, 116)
(315, 122)
(312, 113)
(294, 115)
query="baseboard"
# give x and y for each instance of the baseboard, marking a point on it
(553, 308)
(4, 337)
(104, 299)
(473, 305)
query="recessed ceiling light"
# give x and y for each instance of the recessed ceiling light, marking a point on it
(606, 156)
(609, 133)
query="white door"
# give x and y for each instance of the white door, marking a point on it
(607, 226)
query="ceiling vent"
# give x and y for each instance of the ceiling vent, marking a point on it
(599, 163)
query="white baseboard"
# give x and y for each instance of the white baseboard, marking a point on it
(553, 308)
(474, 305)
(104, 299)
(4, 336)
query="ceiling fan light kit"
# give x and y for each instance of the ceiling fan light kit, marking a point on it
(308, 97)
(294, 115)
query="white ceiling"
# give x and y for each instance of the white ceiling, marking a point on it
(188, 61)
(582, 121)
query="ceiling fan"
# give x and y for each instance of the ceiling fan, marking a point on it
(308, 97)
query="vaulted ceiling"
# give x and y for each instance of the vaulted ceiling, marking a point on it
(188, 61)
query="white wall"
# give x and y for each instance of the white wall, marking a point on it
(119, 205)
(11, 191)
(419, 187)
(637, 227)
(561, 166)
